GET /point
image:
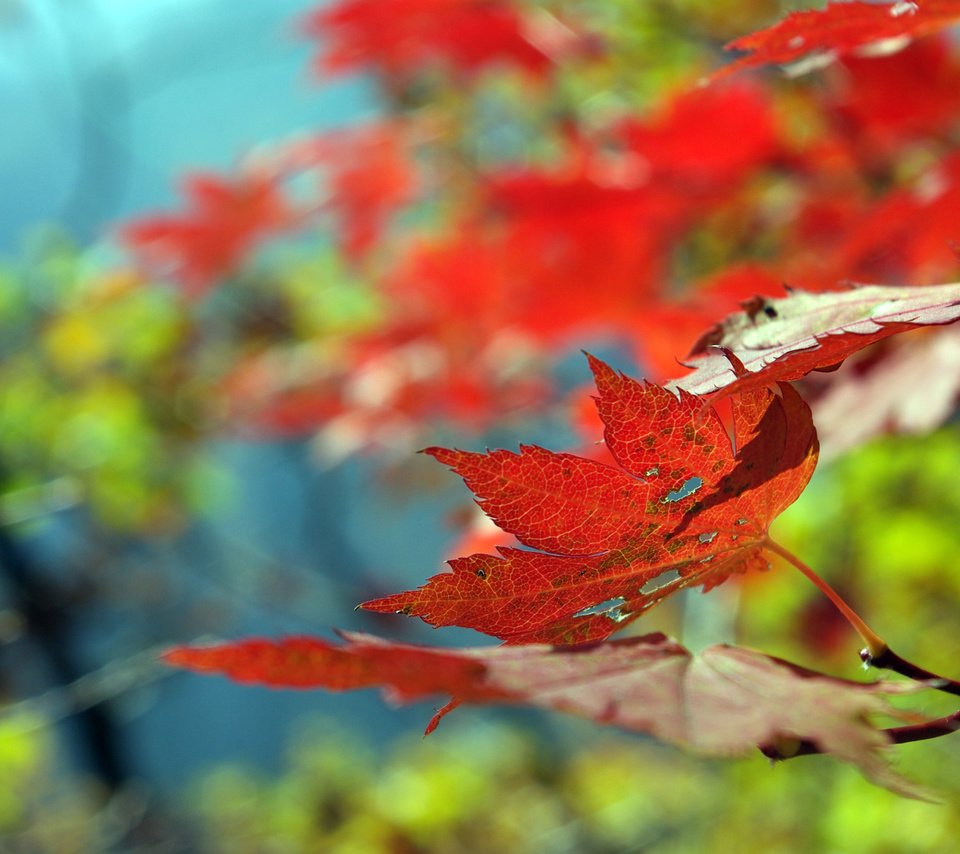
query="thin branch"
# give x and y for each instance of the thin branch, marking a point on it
(46, 625)
(88, 691)
(889, 660)
(938, 728)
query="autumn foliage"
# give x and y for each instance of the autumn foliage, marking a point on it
(738, 235)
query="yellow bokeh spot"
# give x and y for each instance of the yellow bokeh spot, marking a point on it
(74, 344)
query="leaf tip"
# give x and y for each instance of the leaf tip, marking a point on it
(597, 366)
(738, 367)
(447, 456)
(441, 713)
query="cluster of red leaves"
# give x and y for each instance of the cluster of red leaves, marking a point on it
(502, 283)
(530, 257)
(505, 281)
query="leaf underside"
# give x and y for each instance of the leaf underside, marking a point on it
(725, 701)
(780, 340)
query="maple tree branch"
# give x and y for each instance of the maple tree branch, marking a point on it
(889, 660)
(788, 748)
(46, 617)
(876, 645)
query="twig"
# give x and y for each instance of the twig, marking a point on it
(889, 660)
(897, 735)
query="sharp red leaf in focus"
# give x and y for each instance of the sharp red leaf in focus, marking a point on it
(684, 499)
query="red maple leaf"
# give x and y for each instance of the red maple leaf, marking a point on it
(818, 36)
(721, 702)
(684, 499)
(224, 222)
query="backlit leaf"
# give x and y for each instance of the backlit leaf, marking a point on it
(726, 701)
(684, 499)
(779, 340)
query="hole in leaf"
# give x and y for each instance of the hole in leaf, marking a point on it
(690, 486)
(707, 537)
(610, 608)
(903, 7)
(660, 581)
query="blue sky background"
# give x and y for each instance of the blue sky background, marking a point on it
(106, 102)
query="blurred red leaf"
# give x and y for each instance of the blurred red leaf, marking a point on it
(707, 140)
(405, 37)
(370, 176)
(865, 96)
(224, 221)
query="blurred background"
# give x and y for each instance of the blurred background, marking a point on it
(253, 256)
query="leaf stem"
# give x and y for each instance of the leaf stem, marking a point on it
(877, 653)
(876, 645)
